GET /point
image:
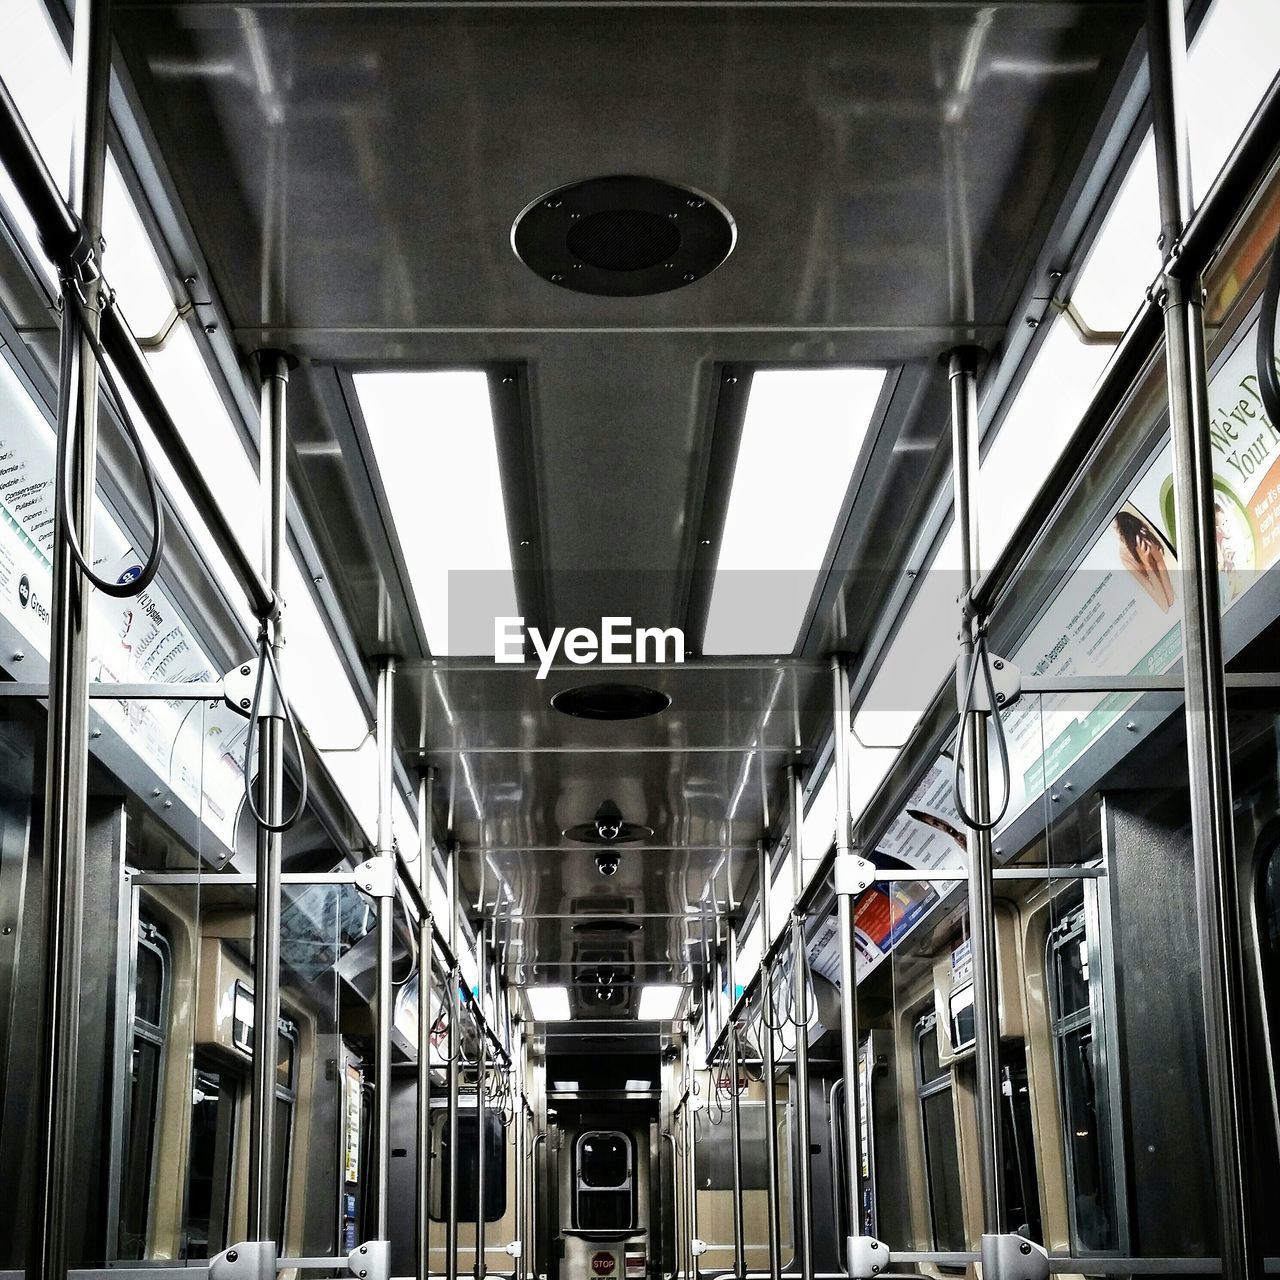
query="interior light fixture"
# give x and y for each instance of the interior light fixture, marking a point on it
(639, 1086)
(548, 1004)
(433, 441)
(801, 436)
(660, 1002)
(565, 1086)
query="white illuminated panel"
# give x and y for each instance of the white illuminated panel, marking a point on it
(1233, 59)
(36, 71)
(433, 441)
(660, 1002)
(801, 437)
(548, 1004)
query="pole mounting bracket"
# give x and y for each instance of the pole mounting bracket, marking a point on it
(376, 876)
(854, 874)
(868, 1257)
(1011, 1257)
(1006, 684)
(370, 1261)
(237, 691)
(697, 1247)
(251, 1260)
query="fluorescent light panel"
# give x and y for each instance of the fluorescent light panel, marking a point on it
(801, 437)
(433, 442)
(660, 1002)
(548, 1004)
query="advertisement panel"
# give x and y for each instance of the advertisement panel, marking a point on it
(1119, 611)
(198, 749)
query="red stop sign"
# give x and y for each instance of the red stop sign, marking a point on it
(603, 1263)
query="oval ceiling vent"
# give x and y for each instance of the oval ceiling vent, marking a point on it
(610, 702)
(623, 236)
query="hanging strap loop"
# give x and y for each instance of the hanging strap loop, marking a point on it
(980, 658)
(267, 659)
(75, 313)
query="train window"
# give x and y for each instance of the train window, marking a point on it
(963, 1028)
(1022, 1188)
(242, 1018)
(495, 1165)
(150, 1021)
(1269, 934)
(604, 1160)
(213, 1125)
(286, 1098)
(604, 1192)
(1091, 1191)
(942, 1156)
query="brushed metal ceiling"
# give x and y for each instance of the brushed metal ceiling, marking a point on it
(352, 172)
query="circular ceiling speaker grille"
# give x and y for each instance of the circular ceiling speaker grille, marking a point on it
(623, 237)
(610, 702)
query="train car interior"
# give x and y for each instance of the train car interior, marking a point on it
(637, 639)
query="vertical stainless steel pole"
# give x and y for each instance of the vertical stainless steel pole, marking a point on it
(770, 1078)
(386, 929)
(849, 1030)
(454, 1003)
(735, 1116)
(986, 1014)
(1208, 743)
(691, 1167)
(262, 1219)
(518, 1137)
(66, 767)
(678, 1236)
(718, 982)
(709, 947)
(426, 968)
(800, 979)
(482, 1111)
